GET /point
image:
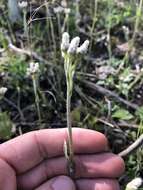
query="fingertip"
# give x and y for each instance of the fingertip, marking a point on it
(57, 183)
(62, 182)
(92, 141)
(100, 184)
(117, 165)
(121, 165)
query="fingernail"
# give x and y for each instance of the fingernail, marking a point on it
(63, 183)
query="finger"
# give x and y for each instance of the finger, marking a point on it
(106, 165)
(58, 183)
(7, 177)
(26, 151)
(97, 184)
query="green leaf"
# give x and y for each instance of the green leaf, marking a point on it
(139, 113)
(122, 114)
(5, 126)
(75, 114)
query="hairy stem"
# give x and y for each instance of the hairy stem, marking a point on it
(110, 7)
(25, 23)
(137, 22)
(69, 125)
(70, 152)
(36, 98)
(93, 23)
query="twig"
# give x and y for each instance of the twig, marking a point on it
(86, 98)
(109, 93)
(105, 122)
(28, 53)
(16, 107)
(121, 124)
(124, 124)
(132, 147)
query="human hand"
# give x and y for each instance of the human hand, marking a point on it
(36, 161)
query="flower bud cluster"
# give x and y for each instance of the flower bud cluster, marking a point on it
(73, 46)
(61, 9)
(33, 69)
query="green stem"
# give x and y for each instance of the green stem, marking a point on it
(69, 124)
(36, 98)
(51, 27)
(110, 7)
(59, 24)
(69, 151)
(93, 23)
(65, 26)
(137, 22)
(25, 23)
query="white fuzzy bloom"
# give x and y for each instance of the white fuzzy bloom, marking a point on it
(67, 10)
(83, 48)
(65, 41)
(134, 184)
(33, 69)
(74, 45)
(22, 4)
(58, 9)
(64, 3)
(3, 90)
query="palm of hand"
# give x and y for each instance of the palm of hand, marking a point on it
(34, 160)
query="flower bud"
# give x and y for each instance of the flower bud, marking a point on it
(67, 10)
(65, 41)
(22, 4)
(134, 184)
(58, 9)
(83, 48)
(33, 69)
(3, 90)
(74, 45)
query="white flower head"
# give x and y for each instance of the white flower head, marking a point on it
(3, 90)
(65, 41)
(135, 183)
(33, 69)
(64, 3)
(67, 10)
(22, 4)
(74, 45)
(58, 9)
(126, 30)
(83, 48)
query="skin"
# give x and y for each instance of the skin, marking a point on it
(36, 161)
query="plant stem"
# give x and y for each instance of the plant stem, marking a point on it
(65, 26)
(137, 22)
(25, 23)
(69, 125)
(93, 23)
(36, 98)
(51, 27)
(47, 22)
(69, 151)
(110, 7)
(59, 24)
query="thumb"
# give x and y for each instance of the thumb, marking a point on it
(58, 183)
